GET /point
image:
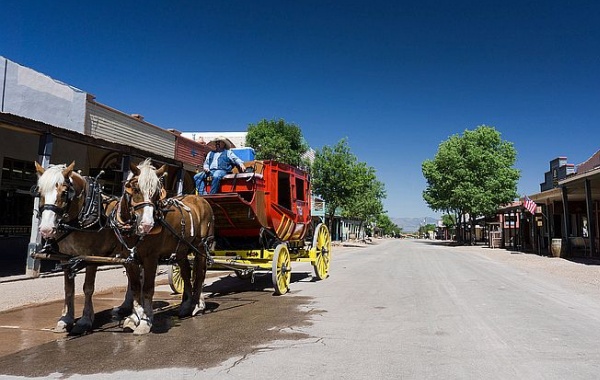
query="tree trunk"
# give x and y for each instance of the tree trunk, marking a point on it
(460, 233)
(330, 224)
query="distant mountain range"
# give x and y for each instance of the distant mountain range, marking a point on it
(413, 224)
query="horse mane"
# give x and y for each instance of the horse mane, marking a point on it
(51, 178)
(148, 181)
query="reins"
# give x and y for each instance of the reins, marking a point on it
(119, 227)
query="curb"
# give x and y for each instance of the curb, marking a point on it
(23, 277)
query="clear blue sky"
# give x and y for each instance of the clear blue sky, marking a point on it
(395, 77)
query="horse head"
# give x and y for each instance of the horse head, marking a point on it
(60, 190)
(143, 191)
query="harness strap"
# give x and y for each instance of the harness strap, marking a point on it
(92, 209)
(52, 207)
(132, 251)
(91, 212)
(206, 254)
(118, 228)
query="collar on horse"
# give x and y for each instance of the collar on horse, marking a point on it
(92, 212)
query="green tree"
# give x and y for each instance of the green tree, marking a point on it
(471, 175)
(426, 229)
(441, 174)
(277, 140)
(334, 177)
(366, 203)
(449, 222)
(385, 226)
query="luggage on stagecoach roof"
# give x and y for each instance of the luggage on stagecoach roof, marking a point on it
(245, 154)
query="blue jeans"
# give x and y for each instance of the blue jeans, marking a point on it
(200, 180)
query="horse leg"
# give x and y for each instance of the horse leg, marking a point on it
(187, 301)
(133, 294)
(126, 308)
(200, 265)
(147, 316)
(84, 324)
(68, 314)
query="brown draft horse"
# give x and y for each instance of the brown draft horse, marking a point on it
(73, 216)
(153, 228)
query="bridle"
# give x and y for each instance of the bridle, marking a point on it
(123, 218)
(68, 194)
(128, 206)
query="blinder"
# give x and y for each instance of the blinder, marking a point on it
(129, 190)
(67, 197)
(70, 191)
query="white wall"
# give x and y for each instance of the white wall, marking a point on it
(237, 138)
(27, 93)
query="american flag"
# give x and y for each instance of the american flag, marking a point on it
(529, 205)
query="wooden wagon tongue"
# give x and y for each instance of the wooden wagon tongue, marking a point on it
(42, 255)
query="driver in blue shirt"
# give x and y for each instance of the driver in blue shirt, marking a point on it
(219, 162)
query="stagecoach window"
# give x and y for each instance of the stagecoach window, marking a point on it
(300, 189)
(283, 190)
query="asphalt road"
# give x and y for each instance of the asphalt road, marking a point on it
(396, 310)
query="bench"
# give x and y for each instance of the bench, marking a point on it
(579, 243)
(254, 169)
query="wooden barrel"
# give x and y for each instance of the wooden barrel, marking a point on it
(556, 247)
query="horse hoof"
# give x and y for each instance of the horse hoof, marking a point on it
(199, 309)
(185, 310)
(62, 327)
(142, 329)
(119, 313)
(80, 329)
(131, 323)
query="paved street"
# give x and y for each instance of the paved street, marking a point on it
(399, 309)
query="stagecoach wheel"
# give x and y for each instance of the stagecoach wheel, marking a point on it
(175, 279)
(282, 269)
(322, 247)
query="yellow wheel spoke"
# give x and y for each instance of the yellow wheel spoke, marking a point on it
(322, 247)
(281, 269)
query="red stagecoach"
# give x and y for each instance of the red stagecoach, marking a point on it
(263, 222)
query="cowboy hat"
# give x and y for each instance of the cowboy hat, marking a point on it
(223, 140)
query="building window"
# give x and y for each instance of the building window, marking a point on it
(16, 202)
(510, 220)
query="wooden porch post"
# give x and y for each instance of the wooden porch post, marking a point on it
(551, 229)
(125, 162)
(566, 220)
(591, 216)
(180, 174)
(32, 268)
